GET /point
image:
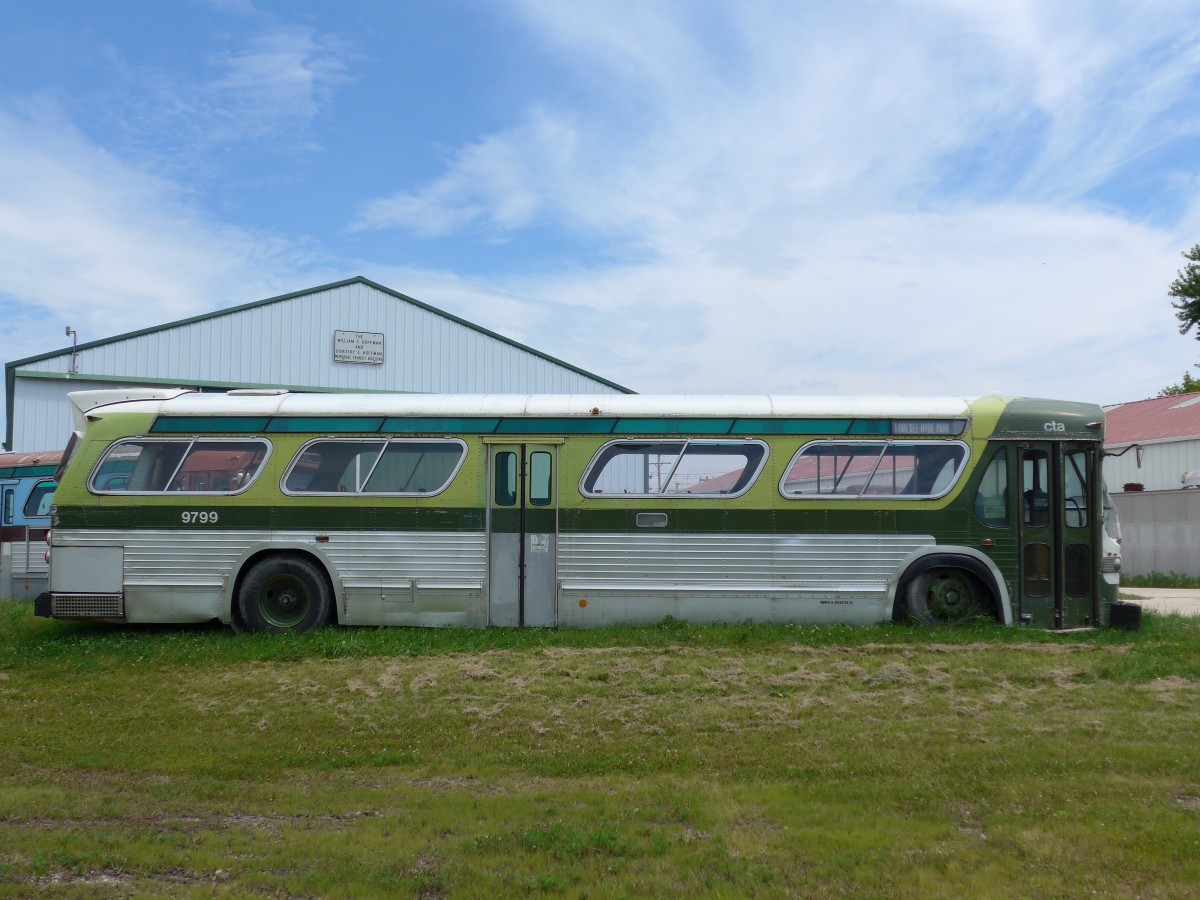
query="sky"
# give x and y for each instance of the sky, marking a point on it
(938, 197)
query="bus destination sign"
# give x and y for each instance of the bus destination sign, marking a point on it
(358, 347)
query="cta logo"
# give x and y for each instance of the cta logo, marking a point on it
(1054, 426)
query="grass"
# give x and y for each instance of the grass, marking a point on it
(715, 761)
(1161, 580)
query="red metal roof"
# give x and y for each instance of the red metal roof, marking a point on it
(1152, 420)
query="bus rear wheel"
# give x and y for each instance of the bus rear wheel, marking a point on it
(945, 596)
(284, 593)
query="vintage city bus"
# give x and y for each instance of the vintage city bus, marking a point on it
(270, 510)
(26, 492)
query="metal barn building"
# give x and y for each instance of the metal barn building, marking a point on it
(354, 335)
(1158, 509)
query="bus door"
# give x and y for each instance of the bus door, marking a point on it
(523, 534)
(8, 510)
(1058, 542)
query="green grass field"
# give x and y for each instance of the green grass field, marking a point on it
(663, 761)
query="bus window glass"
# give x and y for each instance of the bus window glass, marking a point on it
(40, 500)
(539, 479)
(219, 467)
(415, 467)
(1036, 569)
(9, 504)
(1075, 489)
(632, 467)
(332, 467)
(1034, 480)
(196, 467)
(506, 478)
(874, 469)
(1078, 566)
(991, 500)
(139, 466)
(674, 468)
(716, 468)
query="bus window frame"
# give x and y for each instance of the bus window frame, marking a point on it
(377, 440)
(684, 443)
(962, 467)
(191, 442)
(33, 493)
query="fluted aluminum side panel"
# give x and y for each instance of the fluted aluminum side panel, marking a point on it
(28, 557)
(432, 578)
(205, 554)
(704, 558)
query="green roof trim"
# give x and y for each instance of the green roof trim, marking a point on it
(10, 369)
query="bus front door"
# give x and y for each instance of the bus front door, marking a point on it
(523, 535)
(1058, 527)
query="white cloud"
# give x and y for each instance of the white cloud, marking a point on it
(500, 183)
(108, 248)
(280, 79)
(836, 195)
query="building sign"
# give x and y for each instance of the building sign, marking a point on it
(358, 347)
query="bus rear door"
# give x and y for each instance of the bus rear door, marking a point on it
(523, 535)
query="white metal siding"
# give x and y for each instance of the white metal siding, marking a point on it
(1163, 464)
(290, 343)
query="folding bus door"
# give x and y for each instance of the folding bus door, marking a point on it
(522, 534)
(1058, 535)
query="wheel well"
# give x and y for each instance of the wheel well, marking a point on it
(235, 614)
(948, 561)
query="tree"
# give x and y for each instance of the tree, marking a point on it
(1186, 291)
(1189, 385)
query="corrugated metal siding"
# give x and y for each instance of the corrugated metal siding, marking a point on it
(41, 413)
(1162, 465)
(290, 343)
(1160, 532)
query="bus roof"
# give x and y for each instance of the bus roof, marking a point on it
(251, 403)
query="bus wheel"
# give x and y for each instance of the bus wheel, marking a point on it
(284, 593)
(945, 596)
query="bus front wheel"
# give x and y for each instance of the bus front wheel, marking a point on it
(945, 596)
(284, 593)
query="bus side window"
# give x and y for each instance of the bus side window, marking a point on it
(9, 502)
(40, 500)
(991, 500)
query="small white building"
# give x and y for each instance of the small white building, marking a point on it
(354, 335)
(1158, 509)
(1167, 429)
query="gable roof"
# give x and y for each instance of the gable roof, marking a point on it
(358, 279)
(1160, 418)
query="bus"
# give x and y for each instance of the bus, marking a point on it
(269, 510)
(26, 492)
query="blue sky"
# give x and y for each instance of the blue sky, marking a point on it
(689, 197)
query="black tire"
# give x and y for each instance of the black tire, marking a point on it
(945, 597)
(284, 593)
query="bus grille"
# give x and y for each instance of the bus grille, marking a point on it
(88, 606)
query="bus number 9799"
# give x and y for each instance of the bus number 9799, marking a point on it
(203, 518)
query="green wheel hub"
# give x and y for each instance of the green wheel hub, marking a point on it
(284, 601)
(952, 596)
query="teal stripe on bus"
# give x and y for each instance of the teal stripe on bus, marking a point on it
(518, 425)
(209, 425)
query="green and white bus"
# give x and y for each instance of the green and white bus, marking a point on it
(270, 510)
